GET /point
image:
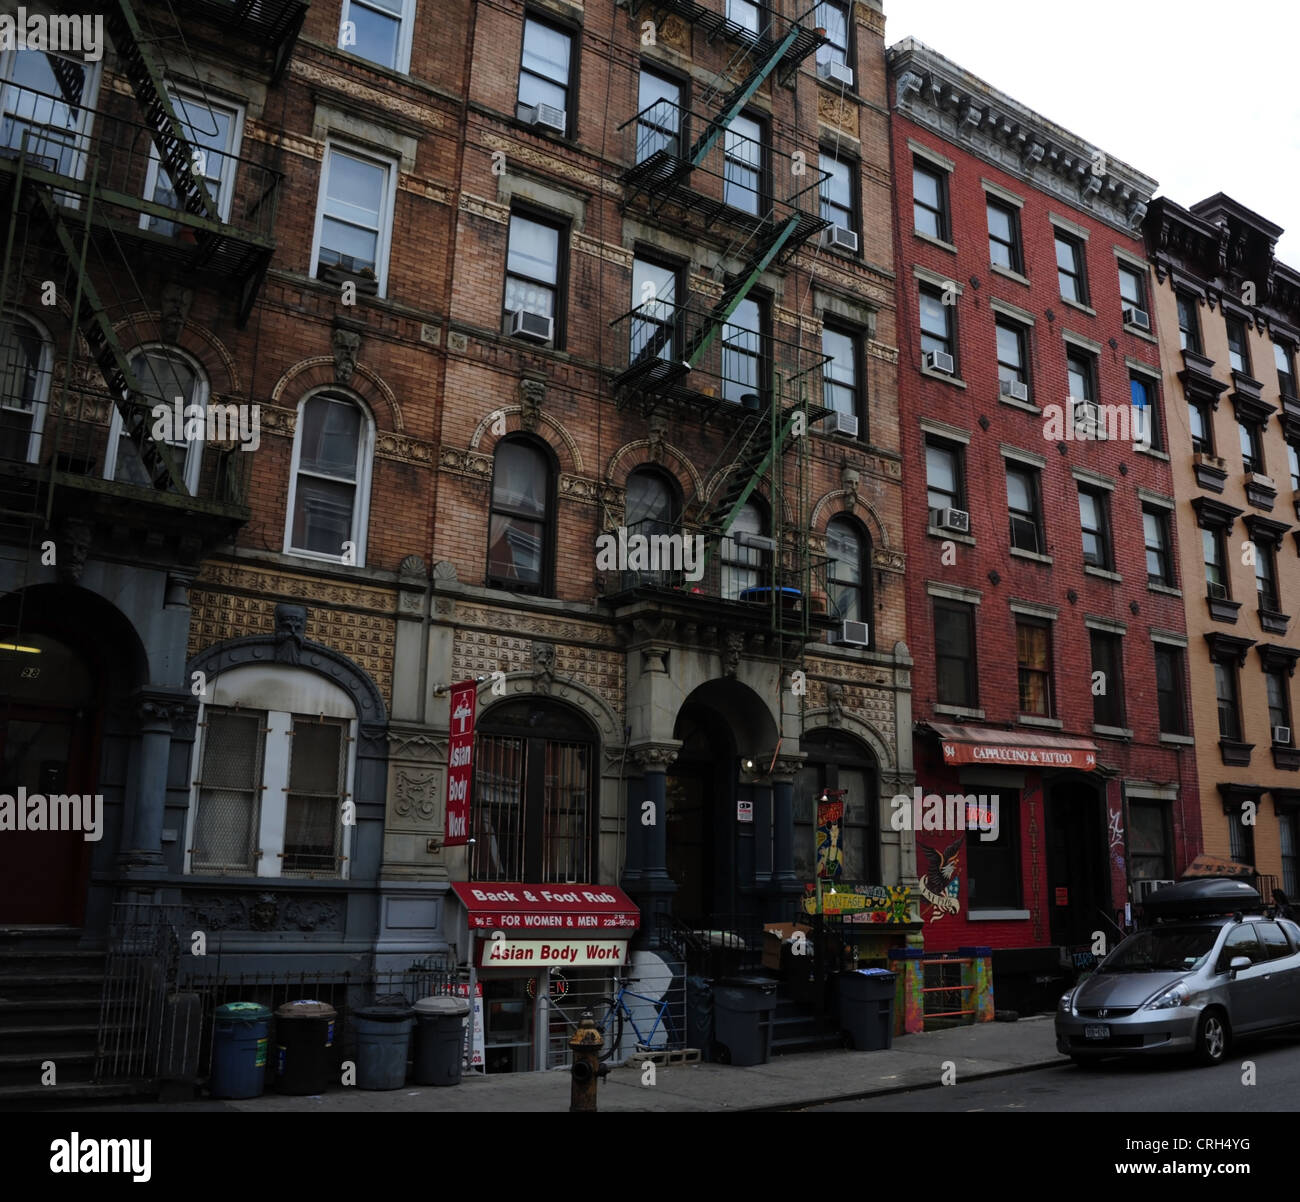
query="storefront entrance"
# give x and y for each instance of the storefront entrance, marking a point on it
(701, 805)
(1078, 892)
(48, 747)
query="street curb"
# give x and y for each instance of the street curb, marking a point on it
(860, 1095)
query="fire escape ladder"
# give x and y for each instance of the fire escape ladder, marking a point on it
(141, 67)
(105, 348)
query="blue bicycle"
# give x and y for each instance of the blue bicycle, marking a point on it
(617, 1014)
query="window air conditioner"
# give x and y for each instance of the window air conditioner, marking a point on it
(954, 519)
(852, 634)
(532, 326)
(940, 362)
(1144, 889)
(842, 423)
(1218, 592)
(1017, 390)
(1137, 317)
(551, 117)
(1087, 419)
(837, 72)
(838, 237)
(1282, 736)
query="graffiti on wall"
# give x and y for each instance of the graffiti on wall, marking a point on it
(1114, 821)
(863, 903)
(940, 883)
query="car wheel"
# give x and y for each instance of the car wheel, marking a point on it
(1087, 1063)
(1211, 1037)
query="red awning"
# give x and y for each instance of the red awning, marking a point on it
(1013, 748)
(521, 908)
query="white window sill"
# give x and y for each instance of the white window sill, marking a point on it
(1164, 588)
(997, 915)
(1027, 406)
(1178, 740)
(1034, 555)
(1045, 723)
(958, 711)
(1112, 732)
(1065, 300)
(1103, 573)
(1009, 274)
(1138, 332)
(933, 241)
(955, 381)
(1152, 451)
(954, 535)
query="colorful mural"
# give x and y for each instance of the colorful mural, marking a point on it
(863, 903)
(940, 883)
(830, 862)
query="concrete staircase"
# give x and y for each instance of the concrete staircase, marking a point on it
(796, 1027)
(50, 992)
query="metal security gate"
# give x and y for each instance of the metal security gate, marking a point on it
(139, 974)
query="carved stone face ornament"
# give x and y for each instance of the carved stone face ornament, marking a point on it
(290, 633)
(346, 345)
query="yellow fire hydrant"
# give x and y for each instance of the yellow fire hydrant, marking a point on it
(587, 1069)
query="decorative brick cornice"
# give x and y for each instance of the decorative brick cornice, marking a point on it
(963, 109)
(480, 207)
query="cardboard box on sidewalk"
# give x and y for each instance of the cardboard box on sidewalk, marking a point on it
(776, 943)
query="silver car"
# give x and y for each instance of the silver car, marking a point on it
(1185, 986)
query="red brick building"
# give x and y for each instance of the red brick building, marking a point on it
(1043, 595)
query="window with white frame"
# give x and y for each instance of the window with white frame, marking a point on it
(329, 494)
(271, 783)
(545, 71)
(25, 364)
(175, 390)
(46, 98)
(378, 30)
(354, 215)
(214, 132)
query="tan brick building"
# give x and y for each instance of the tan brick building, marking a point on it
(1229, 322)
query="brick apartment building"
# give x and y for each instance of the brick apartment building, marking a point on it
(413, 237)
(1229, 319)
(1043, 592)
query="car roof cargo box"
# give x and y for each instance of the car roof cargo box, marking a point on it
(1205, 897)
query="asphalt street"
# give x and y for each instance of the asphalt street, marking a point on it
(1166, 1086)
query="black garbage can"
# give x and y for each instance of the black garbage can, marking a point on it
(439, 1039)
(699, 1015)
(742, 1020)
(866, 1008)
(383, 1034)
(304, 1038)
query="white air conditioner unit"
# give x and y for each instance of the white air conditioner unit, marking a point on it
(1144, 889)
(551, 117)
(852, 634)
(954, 519)
(838, 237)
(940, 362)
(1282, 736)
(755, 542)
(1137, 317)
(842, 423)
(1017, 390)
(1087, 419)
(532, 326)
(837, 72)
(1218, 592)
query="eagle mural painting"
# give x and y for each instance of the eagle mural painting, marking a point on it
(940, 883)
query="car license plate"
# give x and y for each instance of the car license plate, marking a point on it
(1096, 1031)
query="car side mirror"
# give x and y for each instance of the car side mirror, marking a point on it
(1237, 963)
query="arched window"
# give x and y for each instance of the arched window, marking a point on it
(849, 571)
(519, 533)
(167, 380)
(849, 841)
(25, 362)
(745, 566)
(329, 497)
(533, 815)
(653, 508)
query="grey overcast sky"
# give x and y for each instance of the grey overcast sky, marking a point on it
(1204, 97)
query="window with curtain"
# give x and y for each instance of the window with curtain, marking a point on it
(1034, 657)
(848, 574)
(518, 526)
(1150, 848)
(652, 508)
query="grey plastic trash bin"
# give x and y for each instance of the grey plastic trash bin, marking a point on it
(742, 1019)
(866, 1006)
(383, 1040)
(439, 1039)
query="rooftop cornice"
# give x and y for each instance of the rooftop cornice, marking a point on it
(968, 112)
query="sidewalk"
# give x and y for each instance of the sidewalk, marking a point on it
(915, 1061)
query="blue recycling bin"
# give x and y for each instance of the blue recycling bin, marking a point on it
(240, 1035)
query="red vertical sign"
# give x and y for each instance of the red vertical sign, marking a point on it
(460, 761)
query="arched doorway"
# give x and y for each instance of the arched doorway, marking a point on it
(65, 653)
(712, 854)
